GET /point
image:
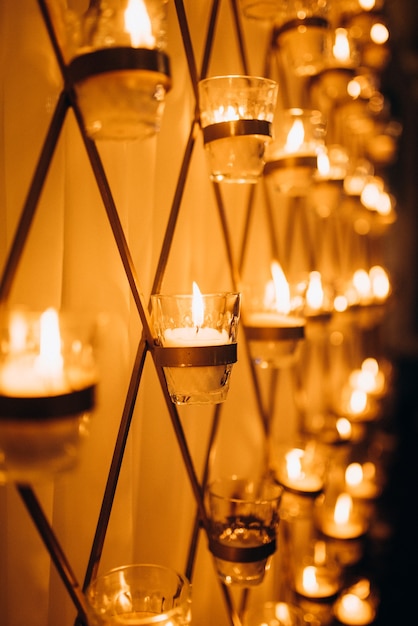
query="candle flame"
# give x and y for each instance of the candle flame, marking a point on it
(343, 508)
(379, 280)
(344, 428)
(138, 24)
(295, 137)
(354, 474)
(294, 463)
(315, 292)
(309, 580)
(50, 360)
(357, 401)
(277, 294)
(197, 307)
(341, 47)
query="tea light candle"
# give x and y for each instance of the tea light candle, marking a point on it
(293, 474)
(360, 481)
(26, 373)
(316, 582)
(342, 522)
(352, 610)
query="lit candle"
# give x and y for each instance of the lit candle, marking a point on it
(198, 334)
(277, 305)
(354, 607)
(360, 480)
(320, 579)
(30, 373)
(297, 473)
(342, 522)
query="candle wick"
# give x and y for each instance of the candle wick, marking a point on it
(197, 329)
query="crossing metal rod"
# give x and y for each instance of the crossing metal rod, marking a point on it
(60, 561)
(32, 198)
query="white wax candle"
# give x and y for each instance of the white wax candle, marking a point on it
(316, 582)
(189, 336)
(354, 611)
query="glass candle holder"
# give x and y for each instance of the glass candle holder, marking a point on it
(339, 516)
(292, 158)
(47, 390)
(118, 66)
(301, 35)
(317, 576)
(274, 614)
(196, 337)
(236, 114)
(140, 595)
(356, 605)
(299, 469)
(273, 323)
(244, 518)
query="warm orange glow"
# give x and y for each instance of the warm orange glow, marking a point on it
(320, 552)
(309, 580)
(315, 292)
(225, 114)
(295, 137)
(358, 401)
(380, 284)
(197, 307)
(294, 464)
(341, 47)
(361, 282)
(379, 33)
(367, 5)
(277, 294)
(344, 428)
(354, 474)
(18, 332)
(138, 24)
(50, 361)
(343, 508)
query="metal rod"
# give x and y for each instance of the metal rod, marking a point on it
(175, 208)
(240, 37)
(32, 199)
(209, 38)
(113, 476)
(187, 43)
(58, 557)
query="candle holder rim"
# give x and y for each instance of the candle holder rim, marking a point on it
(263, 79)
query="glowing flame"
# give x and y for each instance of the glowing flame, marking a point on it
(315, 292)
(295, 137)
(344, 428)
(341, 47)
(294, 463)
(354, 474)
(361, 282)
(343, 508)
(197, 307)
(226, 114)
(50, 361)
(380, 284)
(309, 580)
(277, 295)
(18, 332)
(358, 401)
(379, 34)
(138, 24)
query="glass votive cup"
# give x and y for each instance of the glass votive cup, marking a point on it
(243, 524)
(236, 114)
(339, 516)
(47, 391)
(139, 595)
(197, 356)
(119, 68)
(292, 157)
(317, 575)
(274, 614)
(303, 43)
(300, 469)
(357, 604)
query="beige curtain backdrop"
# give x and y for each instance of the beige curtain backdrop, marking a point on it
(71, 261)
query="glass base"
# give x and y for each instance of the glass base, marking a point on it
(198, 385)
(36, 450)
(236, 159)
